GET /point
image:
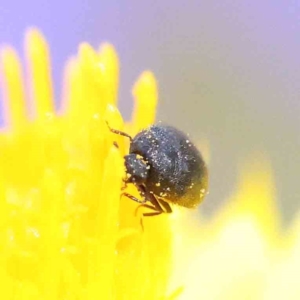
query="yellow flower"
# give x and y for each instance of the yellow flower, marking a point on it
(65, 233)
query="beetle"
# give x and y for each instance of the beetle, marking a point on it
(166, 167)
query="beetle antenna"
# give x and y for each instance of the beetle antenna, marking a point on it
(119, 132)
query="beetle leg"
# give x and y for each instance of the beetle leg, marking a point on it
(142, 192)
(155, 203)
(152, 214)
(150, 197)
(145, 205)
(165, 205)
(158, 205)
(134, 198)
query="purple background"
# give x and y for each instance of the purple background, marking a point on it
(228, 70)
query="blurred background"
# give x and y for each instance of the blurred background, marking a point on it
(228, 71)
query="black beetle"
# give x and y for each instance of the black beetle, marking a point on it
(166, 167)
